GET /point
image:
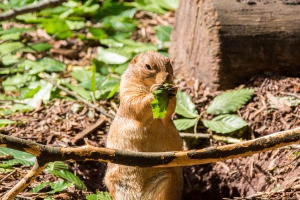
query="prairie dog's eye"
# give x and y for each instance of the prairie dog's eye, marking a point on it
(148, 66)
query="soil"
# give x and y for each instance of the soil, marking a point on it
(270, 175)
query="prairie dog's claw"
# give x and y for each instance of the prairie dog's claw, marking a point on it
(172, 91)
(156, 87)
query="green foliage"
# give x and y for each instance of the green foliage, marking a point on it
(14, 83)
(60, 169)
(161, 101)
(116, 56)
(99, 196)
(225, 123)
(183, 124)
(185, 106)
(223, 104)
(19, 157)
(10, 47)
(168, 4)
(230, 101)
(163, 33)
(4, 122)
(55, 187)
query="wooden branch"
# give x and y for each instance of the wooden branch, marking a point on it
(98, 108)
(88, 130)
(209, 136)
(46, 154)
(30, 8)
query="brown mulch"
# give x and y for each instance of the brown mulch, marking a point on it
(270, 175)
(275, 173)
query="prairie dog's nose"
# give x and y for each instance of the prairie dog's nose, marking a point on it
(162, 77)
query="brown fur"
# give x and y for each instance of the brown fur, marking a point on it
(135, 129)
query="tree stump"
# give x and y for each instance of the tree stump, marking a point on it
(225, 42)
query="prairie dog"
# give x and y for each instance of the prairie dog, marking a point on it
(135, 129)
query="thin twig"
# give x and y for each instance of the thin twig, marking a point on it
(229, 140)
(196, 135)
(13, 101)
(99, 109)
(30, 8)
(14, 66)
(89, 130)
(25, 181)
(291, 94)
(8, 175)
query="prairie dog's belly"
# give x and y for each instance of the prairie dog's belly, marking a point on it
(152, 136)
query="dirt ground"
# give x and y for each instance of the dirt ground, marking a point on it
(270, 175)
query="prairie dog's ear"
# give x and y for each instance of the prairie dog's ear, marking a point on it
(134, 60)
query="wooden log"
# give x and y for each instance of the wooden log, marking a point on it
(225, 42)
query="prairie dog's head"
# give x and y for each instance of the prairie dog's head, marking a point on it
(149, 68)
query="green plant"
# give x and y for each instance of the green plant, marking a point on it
(99, 196)
(58, 169)
(222, 106)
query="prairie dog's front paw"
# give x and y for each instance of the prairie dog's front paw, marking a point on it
(156, 87)
(172, 91)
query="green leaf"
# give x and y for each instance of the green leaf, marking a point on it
(183, 124)
(101, 67)
(148, 5)
(10, 36)
(97, 32)
(56, 187)
(167, 4)
(15, 30)
(31, 92)
(43, 94)
(112, 56)
(4, 122)
(52, 65)
(75, 25)
(69, 177)
(13, 83)
(185, 106)
(39, 47)
(163, 33)
(229, 101)
(19, 157)
(79, 90)
(111, 43)
(9, 60)
(99, 196)
(5, 171)
(60, 169)
(58, 27)
(81, 74)
(15, 108)
(120, 69)
(10, 47)
(57, 166)
(113, 92)
(225, 123)
(30, 18)
(107, 87)
(160, 103)
(119, 23)
(20, 3)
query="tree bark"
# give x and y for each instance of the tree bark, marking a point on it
(223, 42)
